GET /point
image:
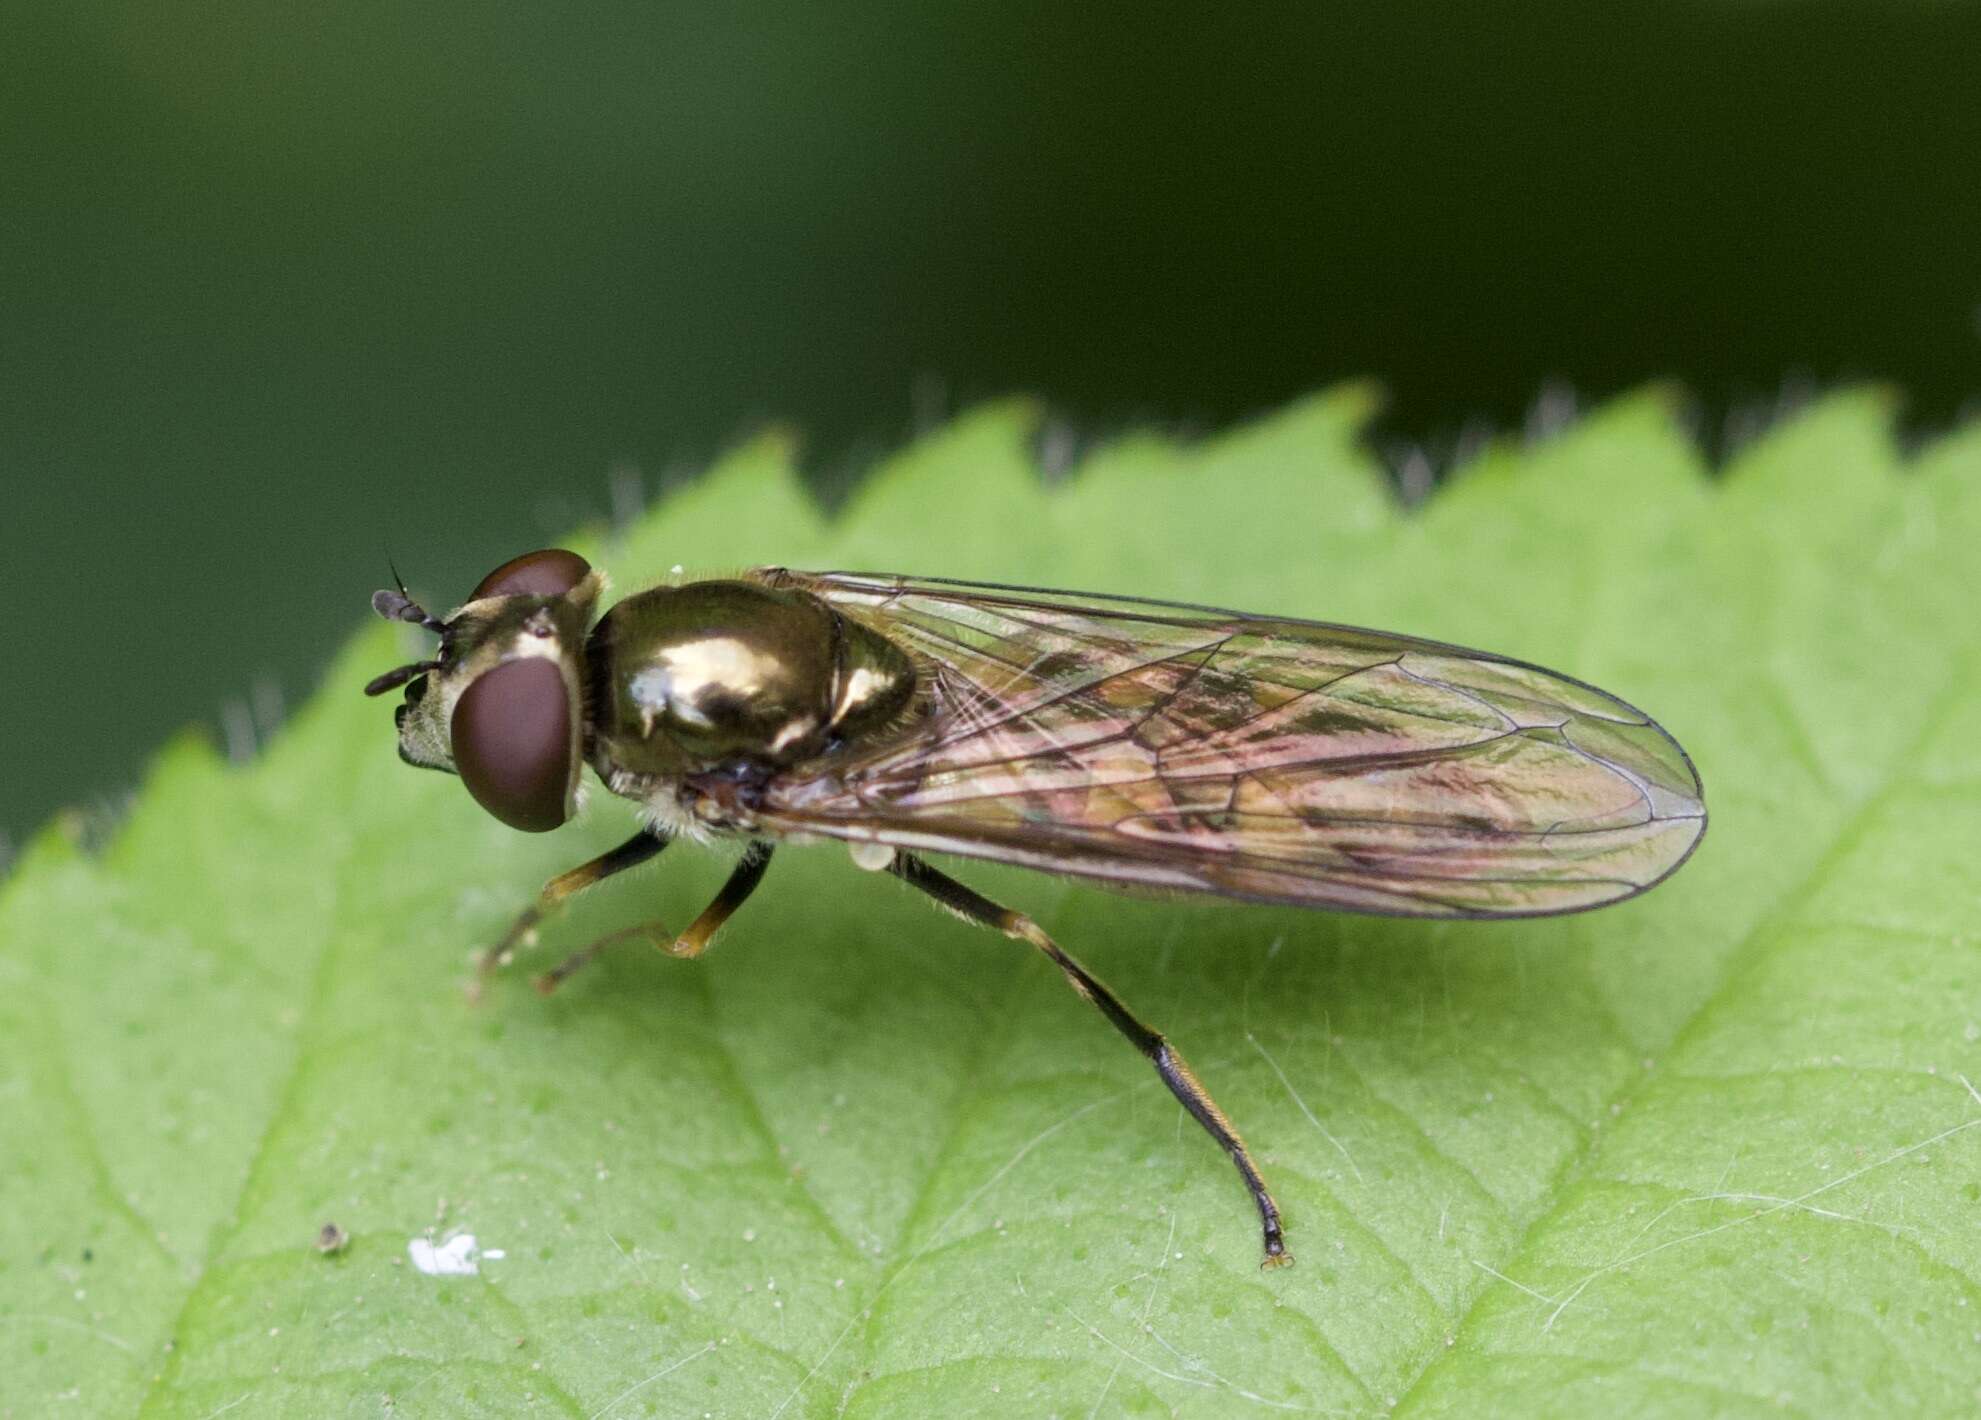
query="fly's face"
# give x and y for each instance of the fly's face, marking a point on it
(502, 703)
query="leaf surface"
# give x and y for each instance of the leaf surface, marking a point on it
(1714, 1149)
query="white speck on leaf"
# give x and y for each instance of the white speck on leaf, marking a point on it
(453, 1256)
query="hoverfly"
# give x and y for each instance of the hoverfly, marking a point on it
(1145, 744)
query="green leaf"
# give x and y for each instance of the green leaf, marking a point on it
(1712, 1150)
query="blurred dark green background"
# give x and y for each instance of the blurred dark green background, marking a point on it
(285, 287)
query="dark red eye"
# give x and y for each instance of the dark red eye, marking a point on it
(549, 572)
(513, 744)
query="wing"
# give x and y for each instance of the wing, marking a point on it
(1178, 747)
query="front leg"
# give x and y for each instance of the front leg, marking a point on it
(634, 851)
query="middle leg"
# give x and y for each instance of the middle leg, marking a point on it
(634, 851)
(749, 871)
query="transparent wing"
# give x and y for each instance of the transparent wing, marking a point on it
(1277, 760)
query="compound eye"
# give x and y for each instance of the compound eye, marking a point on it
(548, 572)
(513, 745)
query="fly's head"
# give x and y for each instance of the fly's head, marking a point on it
(502, 702)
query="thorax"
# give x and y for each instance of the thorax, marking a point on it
(701, 695)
